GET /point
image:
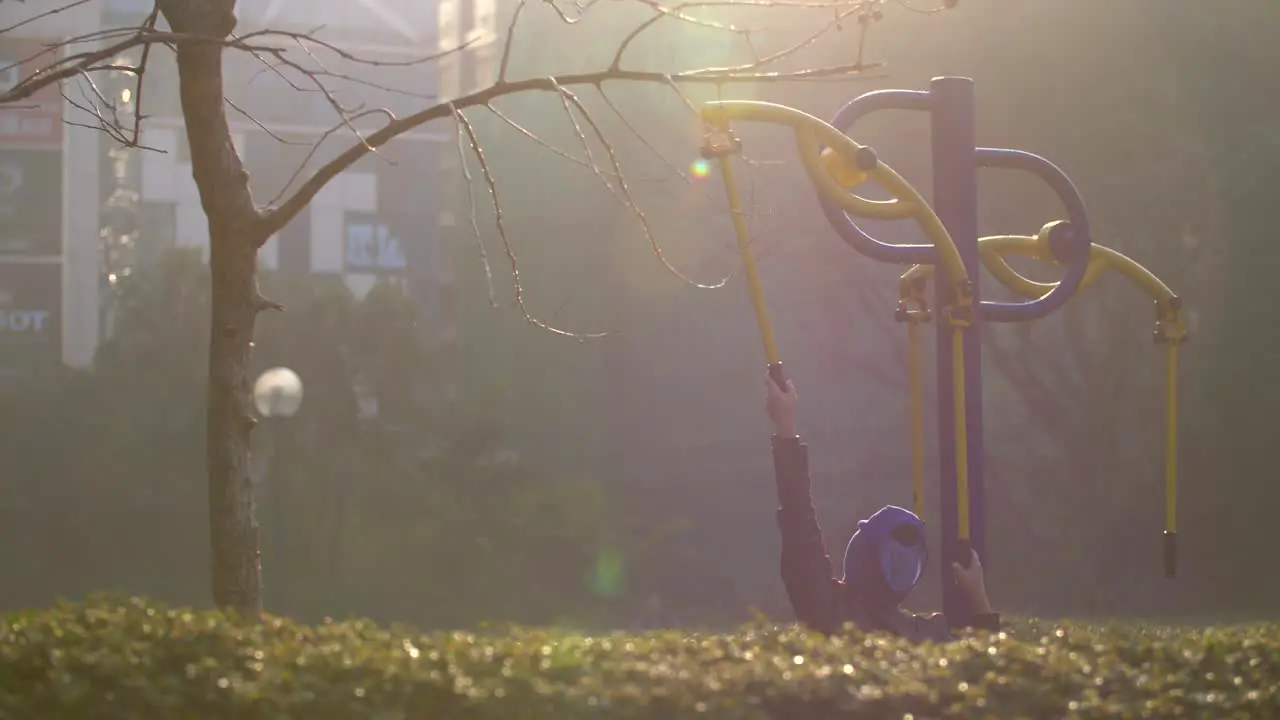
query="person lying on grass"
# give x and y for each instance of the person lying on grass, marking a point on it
(884, 560)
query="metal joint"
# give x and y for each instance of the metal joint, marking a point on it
(912, 306)
(960, 315)
(912, 310)
(1170, 331)
(1170, 328)
(719, 142)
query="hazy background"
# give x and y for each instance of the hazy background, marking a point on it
(624, 479)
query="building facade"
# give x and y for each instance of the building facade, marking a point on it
(76, 207)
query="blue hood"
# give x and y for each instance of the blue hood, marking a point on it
(862, 571)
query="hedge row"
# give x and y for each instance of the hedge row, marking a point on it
(133, 659)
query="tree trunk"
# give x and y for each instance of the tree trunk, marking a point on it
(234, 226)
(237, 567)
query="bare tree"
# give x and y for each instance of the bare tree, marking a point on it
(200, 32)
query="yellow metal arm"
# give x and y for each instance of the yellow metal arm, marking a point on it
(811, 134)
(835, 164)
(913, 309)
(994, 249)
(1171, 331)
(844, 163)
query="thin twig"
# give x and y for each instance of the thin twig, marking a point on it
(500, 224)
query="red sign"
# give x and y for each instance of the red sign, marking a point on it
(34, 119)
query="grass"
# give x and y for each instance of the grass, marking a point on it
(134, 659)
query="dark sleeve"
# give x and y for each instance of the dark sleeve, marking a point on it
(806, 567)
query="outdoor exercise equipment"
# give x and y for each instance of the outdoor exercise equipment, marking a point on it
(836, 164)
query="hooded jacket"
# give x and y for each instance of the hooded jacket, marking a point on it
(823, 602)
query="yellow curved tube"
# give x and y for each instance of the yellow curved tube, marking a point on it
(811, 133)
(720, 113)
(992, 251)
(909, 198)
(1101, 258)
(1171, 331)
(907, 203)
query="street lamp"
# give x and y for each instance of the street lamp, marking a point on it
(277, 393)
(119, 232)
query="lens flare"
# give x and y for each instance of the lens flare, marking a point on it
(700, 168)
(609, 576)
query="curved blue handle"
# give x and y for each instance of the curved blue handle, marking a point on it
(1070, 244)
(1072, 249)
(843, 224)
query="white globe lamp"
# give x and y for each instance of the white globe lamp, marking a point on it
(278, 393)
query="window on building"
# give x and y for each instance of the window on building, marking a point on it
(447, 24)
(466, 16)
(397, 22)
(450, 85)
(486, 16)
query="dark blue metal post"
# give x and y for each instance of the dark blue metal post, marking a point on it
(955, 200)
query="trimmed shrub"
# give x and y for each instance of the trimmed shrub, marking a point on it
(133, 659)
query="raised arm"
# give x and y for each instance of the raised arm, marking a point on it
(806, 567)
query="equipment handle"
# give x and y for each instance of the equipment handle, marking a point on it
(1171, 451)
(1170, 554)
(779, 377)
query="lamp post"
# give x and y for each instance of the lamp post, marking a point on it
(119, 233)
(277, 395)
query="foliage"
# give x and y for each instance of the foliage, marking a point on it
(133, 659)
(401, 515)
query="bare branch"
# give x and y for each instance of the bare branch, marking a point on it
(525, 132)
(148, 25)
(641, 137)
(315, 147)
(271, 47)
(144, 35)
(275, 219)
(502, 233)
(262, 304)
(471, 213)
(47, 13)
(268, 131)
(65, 69)
(510, 41)
(626, 197)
